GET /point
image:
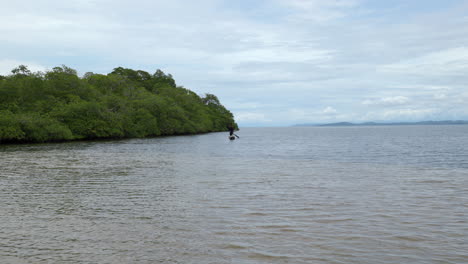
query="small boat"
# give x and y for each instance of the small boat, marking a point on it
(232, 137)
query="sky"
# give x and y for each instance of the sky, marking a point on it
(270, 62)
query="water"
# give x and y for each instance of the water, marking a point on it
(277, 195)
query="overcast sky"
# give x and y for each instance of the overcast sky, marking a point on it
(272, 62)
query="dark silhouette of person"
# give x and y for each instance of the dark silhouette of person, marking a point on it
(231, 129)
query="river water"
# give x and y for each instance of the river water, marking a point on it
(392, 194)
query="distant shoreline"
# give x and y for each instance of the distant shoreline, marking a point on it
(445, 122)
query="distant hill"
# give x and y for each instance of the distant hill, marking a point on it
(446, 122)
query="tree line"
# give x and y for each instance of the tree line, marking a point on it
(57, 105)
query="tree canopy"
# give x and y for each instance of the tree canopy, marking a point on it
(58, 105)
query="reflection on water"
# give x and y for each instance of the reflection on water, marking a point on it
(290, 195)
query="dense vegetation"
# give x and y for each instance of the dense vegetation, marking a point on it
(58, 105)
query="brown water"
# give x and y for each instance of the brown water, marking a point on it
(283, 195)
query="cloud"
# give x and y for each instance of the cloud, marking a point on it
(402, 114)
(251, 117)
(329, 111)
(313, 115)
(408, 114)
(269, 62)
(440, 96)
(452, 61)
(387, 101)
(427, 87)
(319, 11)
(7, 65)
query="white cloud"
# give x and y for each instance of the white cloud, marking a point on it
(263, 58)
(329, 111)
(408, 114)
(7, 65)
(453, 61)
(402, 114)
(251, 117)
(440, 96)
(423, 87)
(319, 11)
(312, 115)
(249, 105)
(388, 101)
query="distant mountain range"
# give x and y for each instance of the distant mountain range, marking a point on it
(446, 122)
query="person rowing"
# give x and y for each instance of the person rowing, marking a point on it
(231, 132)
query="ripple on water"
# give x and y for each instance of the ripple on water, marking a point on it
(183, 200)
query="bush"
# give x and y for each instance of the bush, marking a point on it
(59, 105)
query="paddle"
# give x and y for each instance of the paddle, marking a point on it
(236, 135)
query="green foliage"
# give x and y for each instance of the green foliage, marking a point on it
(10, 128)
(41, 129)
(31, 127)
(90, 120)
(21, 70)
(140, 123)
(58, 105)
